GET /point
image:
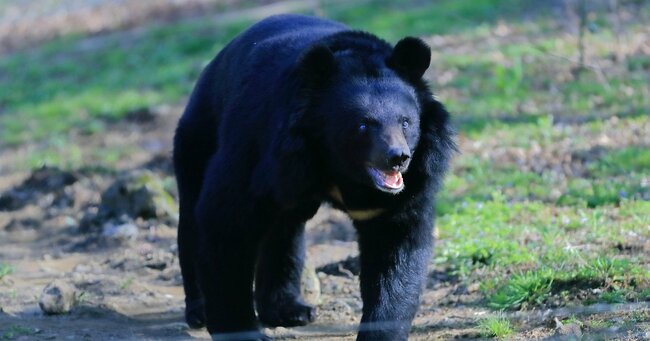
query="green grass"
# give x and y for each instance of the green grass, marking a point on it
(638, 63)
(127, 283)
(534, 287)
(65, 84)
(528, 248)
(5, 269)
(495, 327)
(644, 295)
(599, 324)
(572, 320)
(67, 155)
(530, 288)
(15, 331)
(633, 159)
(395, 19)
(613, 297)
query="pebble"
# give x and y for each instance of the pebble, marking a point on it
(58, 297)
(125, 231)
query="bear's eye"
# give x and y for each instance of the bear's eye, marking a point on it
(363, 126)
(405, 123)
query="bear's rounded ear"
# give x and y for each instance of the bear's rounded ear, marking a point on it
(411, 56)
(317, 64)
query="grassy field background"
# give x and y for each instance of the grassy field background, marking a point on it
(548, 202)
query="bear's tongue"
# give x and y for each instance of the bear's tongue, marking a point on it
(393, 180)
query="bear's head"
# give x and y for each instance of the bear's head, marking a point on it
(365, 109)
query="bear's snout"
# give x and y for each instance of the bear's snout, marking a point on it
(391, 151)
(398, 157)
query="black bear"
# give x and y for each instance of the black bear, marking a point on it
(294, 112)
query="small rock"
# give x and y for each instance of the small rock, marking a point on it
(82, 268)
(126, 231)
(329, 224)
(13, 200)
(570, 329)
(138, 194)
(70, 221)
(158, 259)
(49, 179)
(310, 285)
(171, 274)
(337, 307)
(58, 297)
(126, 261)
(46, 186)
(461, 290)
(348, 267)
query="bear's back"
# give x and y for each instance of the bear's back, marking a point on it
(271, 46)
(248, 82)
(248, 74)
(291, 25)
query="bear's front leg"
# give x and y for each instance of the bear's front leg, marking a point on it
(395, 252)
(229, 230)
(277, 281)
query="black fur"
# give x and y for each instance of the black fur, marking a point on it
(293, 112)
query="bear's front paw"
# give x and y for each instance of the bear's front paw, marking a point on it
(286, 314)
(195, 313)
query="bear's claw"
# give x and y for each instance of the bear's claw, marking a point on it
(287, 314)
(195, 314)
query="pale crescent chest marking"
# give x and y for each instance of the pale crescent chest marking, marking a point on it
(364, 214)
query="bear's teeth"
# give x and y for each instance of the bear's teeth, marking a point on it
(393, 180)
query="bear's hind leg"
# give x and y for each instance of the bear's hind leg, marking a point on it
(229, 228)
(227, 264)
(277, 282)
(190, 160)
(187, 244)
(187, 256)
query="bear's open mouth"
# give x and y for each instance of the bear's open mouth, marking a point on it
(389, 181)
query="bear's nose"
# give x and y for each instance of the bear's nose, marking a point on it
(397, 157)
